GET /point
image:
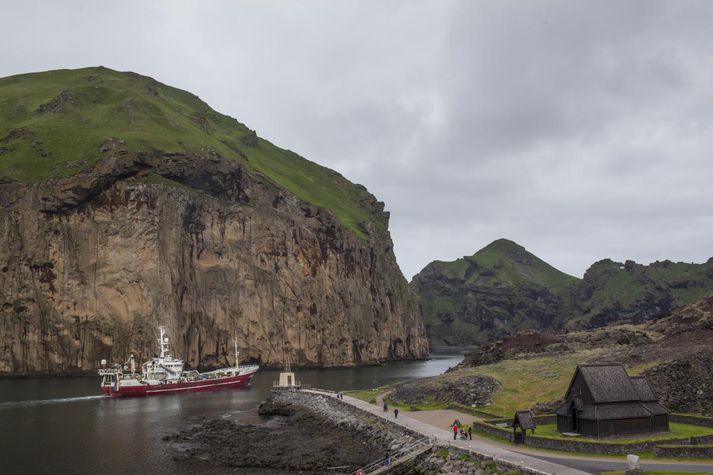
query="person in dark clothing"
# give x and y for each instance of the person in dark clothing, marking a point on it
(386, 408)
(470, 432)
(396, 413)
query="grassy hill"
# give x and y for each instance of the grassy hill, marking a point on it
(504, 262)
(53, 124)
(500, 288)
(615, 292)
(503, 289)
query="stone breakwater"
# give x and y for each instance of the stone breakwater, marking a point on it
(451, 462)
(300, 432)
(314, 433)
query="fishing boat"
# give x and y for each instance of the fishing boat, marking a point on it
(165, 375)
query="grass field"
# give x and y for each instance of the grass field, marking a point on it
(656, 472)
(525, 382)
(368, 395)
(677, 431)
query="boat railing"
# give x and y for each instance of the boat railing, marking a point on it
(109, 371)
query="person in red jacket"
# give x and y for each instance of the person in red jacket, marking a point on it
(455, 431)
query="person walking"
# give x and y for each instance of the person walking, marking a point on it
(396, 413)
(455, 431)
(386, 408)
(470, 432)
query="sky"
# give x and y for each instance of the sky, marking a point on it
(581, 130)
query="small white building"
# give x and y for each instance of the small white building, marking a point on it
(287, 379)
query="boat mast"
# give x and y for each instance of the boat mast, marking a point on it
(163, 342)
(237, 361)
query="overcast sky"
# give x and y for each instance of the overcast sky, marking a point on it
(581, 130)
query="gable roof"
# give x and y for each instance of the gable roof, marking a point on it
(607, 382)
(643, 387)
(524, 419)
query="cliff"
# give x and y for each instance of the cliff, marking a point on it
(127, 204)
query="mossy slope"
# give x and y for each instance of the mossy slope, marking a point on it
(499, 289)
(503, 289)
(53, 124)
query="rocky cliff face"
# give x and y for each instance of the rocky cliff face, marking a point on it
(91, 264)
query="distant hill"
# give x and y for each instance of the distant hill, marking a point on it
(615, 292)
(499, 289)
(503, 289)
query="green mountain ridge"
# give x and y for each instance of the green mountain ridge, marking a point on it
(503, 289)
(504, 262)
(59, 123)
(500, 288)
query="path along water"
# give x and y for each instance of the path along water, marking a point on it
(62, 426)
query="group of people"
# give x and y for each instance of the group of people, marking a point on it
(458, 427)
(396, 410)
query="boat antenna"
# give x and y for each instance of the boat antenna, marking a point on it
(237, 361)
(163, 342)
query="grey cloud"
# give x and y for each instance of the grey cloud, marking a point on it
(582, 130)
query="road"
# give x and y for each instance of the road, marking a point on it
(441, 420)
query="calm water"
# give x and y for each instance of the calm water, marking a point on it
(61, 426)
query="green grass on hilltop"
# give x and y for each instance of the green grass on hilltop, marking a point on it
(613, 284)
(505, 263)
(53, 123)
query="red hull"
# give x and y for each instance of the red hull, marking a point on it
(180, 387)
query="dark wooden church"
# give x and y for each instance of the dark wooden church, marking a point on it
(603, 400)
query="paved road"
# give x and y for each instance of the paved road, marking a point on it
(442, 419)
(595, 465)
(483, 447)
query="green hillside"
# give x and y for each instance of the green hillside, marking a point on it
(499, 289)
(503, 289)
(53, 124)
(504, 262)
(629, 292)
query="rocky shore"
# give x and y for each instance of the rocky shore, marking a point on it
(299, 432)
(311, 433)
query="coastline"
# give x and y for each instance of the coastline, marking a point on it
(298, 432)
(315, 432)
(270, 368)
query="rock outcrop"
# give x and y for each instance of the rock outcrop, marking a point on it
(470, 390)
(92, 262)
(301, 432)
